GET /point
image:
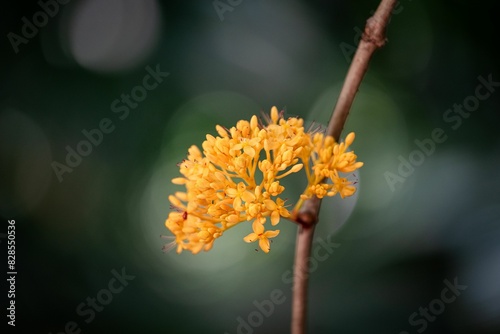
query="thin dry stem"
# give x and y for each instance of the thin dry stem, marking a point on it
(301, 277)
(307, 216)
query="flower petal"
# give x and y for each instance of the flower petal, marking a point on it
(350, 139)
(241, 187)
(248, 196)
(179, 180)
(251, 237)
(249, 151)
(237, 204)
(233, 219)
(265, 245)
(271, 234)
(257, 227)
(275, 217)
(284, 212)
(270, 205)
(274, 115)
(231, 192)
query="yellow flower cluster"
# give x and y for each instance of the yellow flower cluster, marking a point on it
(238, 178)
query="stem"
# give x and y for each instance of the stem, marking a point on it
(372, 39)
(307, 216)
(301, 278)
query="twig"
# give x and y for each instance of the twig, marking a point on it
(301, 278)
(307, 217)
(372, 39)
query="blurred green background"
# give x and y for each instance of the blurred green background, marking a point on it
(395, 245)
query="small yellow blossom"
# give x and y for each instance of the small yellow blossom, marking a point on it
(238, 178)
(263, 237)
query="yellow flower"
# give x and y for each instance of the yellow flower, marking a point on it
(239, 175)
(263, 237)
(277, 210)
(239, 193)
(328, 159)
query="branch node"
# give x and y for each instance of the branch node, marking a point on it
(307, 218)
(374, 32)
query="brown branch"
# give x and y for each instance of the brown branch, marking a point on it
(301, 278)
(307, 217)
(372, 39)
